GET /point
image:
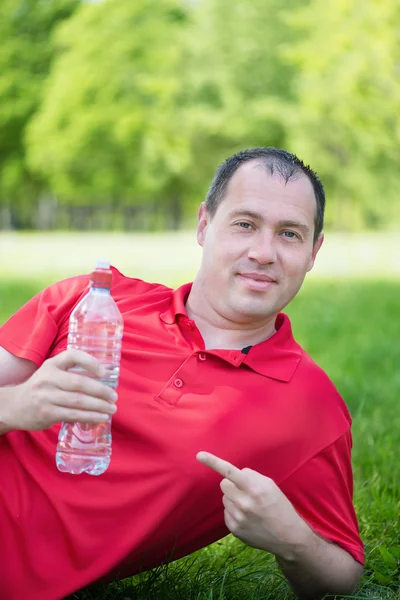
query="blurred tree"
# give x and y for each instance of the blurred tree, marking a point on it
(26, 53)
(146, 98)
(346, 118)
(239, 88)
(110, 124)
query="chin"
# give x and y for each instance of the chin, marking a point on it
(250, 311)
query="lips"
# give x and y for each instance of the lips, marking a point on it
(258, 277)
(256, 282)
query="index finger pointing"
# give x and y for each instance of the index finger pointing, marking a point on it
(223, 467)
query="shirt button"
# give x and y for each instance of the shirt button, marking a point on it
(189, 325)
(178, 383)
(202, 356)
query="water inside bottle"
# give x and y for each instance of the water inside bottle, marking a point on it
(84, 447)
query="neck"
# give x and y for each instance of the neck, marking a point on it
(218, 331)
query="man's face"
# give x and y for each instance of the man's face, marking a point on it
(258, 246)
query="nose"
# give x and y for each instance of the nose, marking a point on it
(263, 249)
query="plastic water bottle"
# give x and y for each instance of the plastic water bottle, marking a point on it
(95, 326)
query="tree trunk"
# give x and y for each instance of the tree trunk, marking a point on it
(176, 211)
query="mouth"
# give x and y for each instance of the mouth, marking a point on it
(257, 281)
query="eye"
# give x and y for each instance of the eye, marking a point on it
(291, 235)
(244, 225)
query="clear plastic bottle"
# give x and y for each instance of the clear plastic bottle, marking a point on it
(95, 326)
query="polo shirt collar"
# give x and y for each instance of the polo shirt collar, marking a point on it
(277, 357)
(177, 306)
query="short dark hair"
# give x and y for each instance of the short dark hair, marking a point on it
(278, 162)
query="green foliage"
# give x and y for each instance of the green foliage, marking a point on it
(346, 117)
(26, 52)
(109, 125)
(236, 85)
(149, 115)
(135, 103)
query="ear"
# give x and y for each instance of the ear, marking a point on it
(203, 219)
(316, 248)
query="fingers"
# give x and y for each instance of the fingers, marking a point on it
(229, 489)
(230, 513)
(76, 358)
(59, 394)
(232, 509)
(69, 407)
(229, 521)
(223, 467)
(53, 394)
(82, 416)
(72, 382)
(82, 402)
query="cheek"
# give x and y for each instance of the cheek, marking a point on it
(224, 252)
(221, 252)
(295, 264)
(213, 258)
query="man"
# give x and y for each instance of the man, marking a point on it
(210, 369)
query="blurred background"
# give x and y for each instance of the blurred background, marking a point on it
(115, 113)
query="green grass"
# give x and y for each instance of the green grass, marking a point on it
(171, 256)
(352, 329)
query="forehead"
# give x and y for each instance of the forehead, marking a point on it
(252, 184)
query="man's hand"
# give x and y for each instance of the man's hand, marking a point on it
(259, 514)
(53, 394)
(256, 511)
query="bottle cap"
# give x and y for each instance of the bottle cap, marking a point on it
(102, 275)
(102, 263)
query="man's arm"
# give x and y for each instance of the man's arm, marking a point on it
(14, 370)
(258, 513)
(34, 398)
(317, 567)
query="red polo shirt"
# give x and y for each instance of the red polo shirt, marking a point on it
(272, 410)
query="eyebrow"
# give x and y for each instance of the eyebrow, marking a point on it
(247, 213)
(285, 223)
(296, 225)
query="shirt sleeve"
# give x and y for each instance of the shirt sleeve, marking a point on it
(322, 493)
(31, 331)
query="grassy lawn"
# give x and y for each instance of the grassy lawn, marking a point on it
(351, 327)
(174, 256)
